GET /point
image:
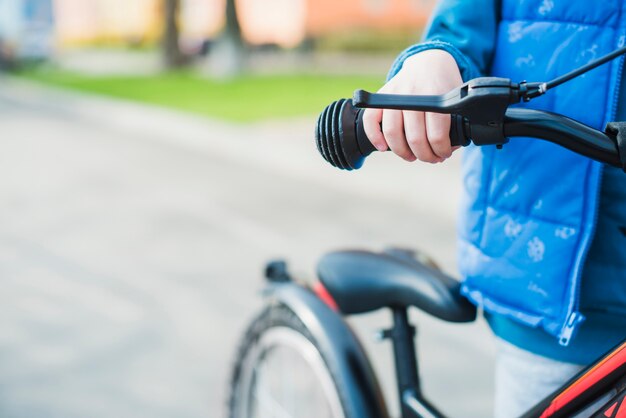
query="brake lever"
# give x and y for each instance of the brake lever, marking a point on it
(481, 102)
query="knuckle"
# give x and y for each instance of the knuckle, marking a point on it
(441, 145)
(392, 131)
(415, 138)
(438, 136)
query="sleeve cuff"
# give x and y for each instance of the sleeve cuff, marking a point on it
(467, 68)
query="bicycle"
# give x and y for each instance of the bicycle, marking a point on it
(305, 327)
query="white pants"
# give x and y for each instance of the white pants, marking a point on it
(523, 379)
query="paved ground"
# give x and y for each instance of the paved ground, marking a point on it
(132, 241)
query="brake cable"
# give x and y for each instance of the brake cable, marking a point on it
(538, 89)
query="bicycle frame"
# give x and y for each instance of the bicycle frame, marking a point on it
(598, 391)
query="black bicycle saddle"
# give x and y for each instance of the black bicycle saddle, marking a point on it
(362, 281)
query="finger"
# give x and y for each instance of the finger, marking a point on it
(393, 129)
(415, 132)
(438, 133)
(371, 124)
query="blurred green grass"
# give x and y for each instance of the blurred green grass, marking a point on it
(242, 99)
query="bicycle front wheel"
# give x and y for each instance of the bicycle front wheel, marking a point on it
(280, 372)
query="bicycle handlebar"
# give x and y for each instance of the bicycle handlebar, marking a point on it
(562, 131)
(480, 115)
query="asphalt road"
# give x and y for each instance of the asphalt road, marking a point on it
(132, 241)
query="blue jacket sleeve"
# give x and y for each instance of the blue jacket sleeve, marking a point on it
(464, 28)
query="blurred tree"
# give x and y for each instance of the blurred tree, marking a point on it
(171, 50)
(233, 28)
(228, 56)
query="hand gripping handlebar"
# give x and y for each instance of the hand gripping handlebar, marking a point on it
(480, 115)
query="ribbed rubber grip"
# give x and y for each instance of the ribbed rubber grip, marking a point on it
(341, 139)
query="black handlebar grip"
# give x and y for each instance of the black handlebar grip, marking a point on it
(341, 139)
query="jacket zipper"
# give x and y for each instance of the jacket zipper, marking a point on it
(574, 317)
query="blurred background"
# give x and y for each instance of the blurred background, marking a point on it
(154, 154)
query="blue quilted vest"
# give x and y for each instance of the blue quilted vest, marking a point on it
(529, 210)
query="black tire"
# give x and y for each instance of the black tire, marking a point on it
(276, 332)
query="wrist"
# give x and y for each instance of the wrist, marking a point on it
(433, 57)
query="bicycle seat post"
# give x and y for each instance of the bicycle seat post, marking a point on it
(412, 403)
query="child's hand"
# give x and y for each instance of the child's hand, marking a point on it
(416, 135)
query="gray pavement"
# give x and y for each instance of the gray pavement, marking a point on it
(132, 241)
